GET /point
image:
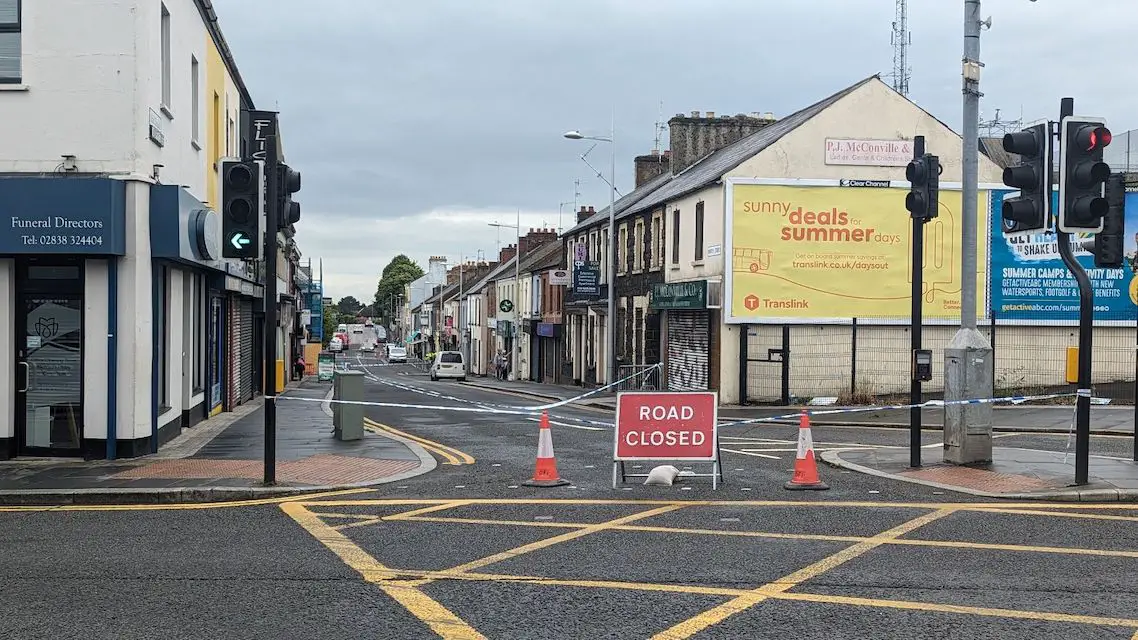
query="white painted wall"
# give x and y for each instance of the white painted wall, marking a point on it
(95, 328)
(136, 340)
(92, 72)
(7, 348)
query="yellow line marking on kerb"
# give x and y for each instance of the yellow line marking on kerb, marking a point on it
(924, 506)
(440, 619)
(452, 455)
(702, 621)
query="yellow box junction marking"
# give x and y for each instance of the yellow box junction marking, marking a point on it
(404, 584)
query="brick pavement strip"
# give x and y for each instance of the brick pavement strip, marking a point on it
(982, 479)
(324, 469)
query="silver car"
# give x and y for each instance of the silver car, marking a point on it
(448, 364)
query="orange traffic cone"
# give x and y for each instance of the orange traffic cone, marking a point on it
(805, 468)
(545, 475)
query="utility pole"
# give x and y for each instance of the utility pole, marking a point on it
(968, 358)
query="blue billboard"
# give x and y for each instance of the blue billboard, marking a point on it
(1030, 281)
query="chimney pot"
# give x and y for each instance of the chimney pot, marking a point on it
(769, 116)
(591, 210)
(695, 114)
(710, 114)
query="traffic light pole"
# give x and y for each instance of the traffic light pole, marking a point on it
(1086, 324)
(917, 320)
(265, 138)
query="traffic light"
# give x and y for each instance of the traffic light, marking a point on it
(1082, 174)
(1108, 242)
(1029, 211)
(241, 209)
(923, 199)
(289, 184)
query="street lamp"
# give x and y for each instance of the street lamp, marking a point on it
(514, 353)
(610, 275)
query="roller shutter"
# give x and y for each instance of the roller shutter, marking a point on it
(245, 387)
(688, 350)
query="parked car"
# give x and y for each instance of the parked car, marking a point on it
(335, 345)
(396, 353)
(448, 364)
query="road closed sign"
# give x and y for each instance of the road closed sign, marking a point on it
(666, 426)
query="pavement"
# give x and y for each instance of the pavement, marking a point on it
(1105, 419)
(222, 459)
(468, 551)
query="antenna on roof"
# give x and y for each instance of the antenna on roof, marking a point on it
(661, 129)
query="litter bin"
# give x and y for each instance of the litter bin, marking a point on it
(348, 419)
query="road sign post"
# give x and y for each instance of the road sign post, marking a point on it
(667, 426)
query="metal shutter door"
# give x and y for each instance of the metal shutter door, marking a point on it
(233, 367)
(245, 308)
(687, 350)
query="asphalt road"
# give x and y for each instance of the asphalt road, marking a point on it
(467, 551)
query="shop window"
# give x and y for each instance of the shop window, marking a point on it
(199, 302)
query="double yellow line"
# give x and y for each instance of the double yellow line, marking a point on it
(450, 455)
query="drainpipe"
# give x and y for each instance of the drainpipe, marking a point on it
(112, 356)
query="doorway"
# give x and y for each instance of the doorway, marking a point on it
(49, 357)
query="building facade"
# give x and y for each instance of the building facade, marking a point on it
(122, 324)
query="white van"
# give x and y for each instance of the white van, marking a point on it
(448, 364)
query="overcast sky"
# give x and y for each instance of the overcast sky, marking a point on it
(415, 124)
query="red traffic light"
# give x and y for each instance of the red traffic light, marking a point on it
(1091, 137)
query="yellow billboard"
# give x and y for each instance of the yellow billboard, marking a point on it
(841, 252)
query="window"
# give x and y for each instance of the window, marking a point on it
(161, 302)
(698, 231)
(199, 302)
(622, 260)
(166, 87)
(215, 134)
(195, 101)
(656, 243)
(676, 236)
(10, 44)
(639, 246)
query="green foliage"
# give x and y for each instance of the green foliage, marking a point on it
(331, 319)
(396, 275)
(348, 305)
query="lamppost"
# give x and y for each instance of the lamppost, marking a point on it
(610, 271)
(514, 353)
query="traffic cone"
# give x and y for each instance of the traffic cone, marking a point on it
(545, 474)
(805, 468)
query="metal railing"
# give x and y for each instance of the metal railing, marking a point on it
(641, 377)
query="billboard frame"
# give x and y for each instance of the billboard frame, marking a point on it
(729, 317)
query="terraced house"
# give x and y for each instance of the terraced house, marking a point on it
(120, 323)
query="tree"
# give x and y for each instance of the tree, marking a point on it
(396, 275)
(348, 305)
(331, 320)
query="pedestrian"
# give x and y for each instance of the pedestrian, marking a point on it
(298, 368)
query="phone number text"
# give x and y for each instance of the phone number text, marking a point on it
(62, 241)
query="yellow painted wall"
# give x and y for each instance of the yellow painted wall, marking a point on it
(216, 81)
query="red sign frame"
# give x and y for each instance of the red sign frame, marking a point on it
(655, 426)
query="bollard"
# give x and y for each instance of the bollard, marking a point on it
(348, 419)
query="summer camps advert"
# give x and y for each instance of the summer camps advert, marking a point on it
(842, 252)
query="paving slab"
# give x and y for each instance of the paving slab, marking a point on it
(1017, 474)
(222, 459)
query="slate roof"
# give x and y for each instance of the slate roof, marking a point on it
(622, 204)
(712, 167)
(543, 256)
(494, 273)
(994, 149)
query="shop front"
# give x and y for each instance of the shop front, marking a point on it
(61, 240)
(689, 334)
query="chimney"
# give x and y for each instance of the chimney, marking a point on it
(437, 269)
(584, 214)
(692, 138)
(536, 238)
(506, 253)
(650, 166)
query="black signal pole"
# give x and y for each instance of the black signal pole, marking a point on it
(263, 130)
(1086, 323)
(916, 320)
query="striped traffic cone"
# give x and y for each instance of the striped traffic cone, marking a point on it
(805, 468)
(545, 474)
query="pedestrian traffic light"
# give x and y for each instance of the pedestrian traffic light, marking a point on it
(1029, 211)
(1108, 242)
(1082, 174)
(289, 184)
(241, 209)
(923, 199)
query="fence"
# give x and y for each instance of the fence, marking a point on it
(868, 361)
(641, 377)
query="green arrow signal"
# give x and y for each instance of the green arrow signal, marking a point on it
(239, 241)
